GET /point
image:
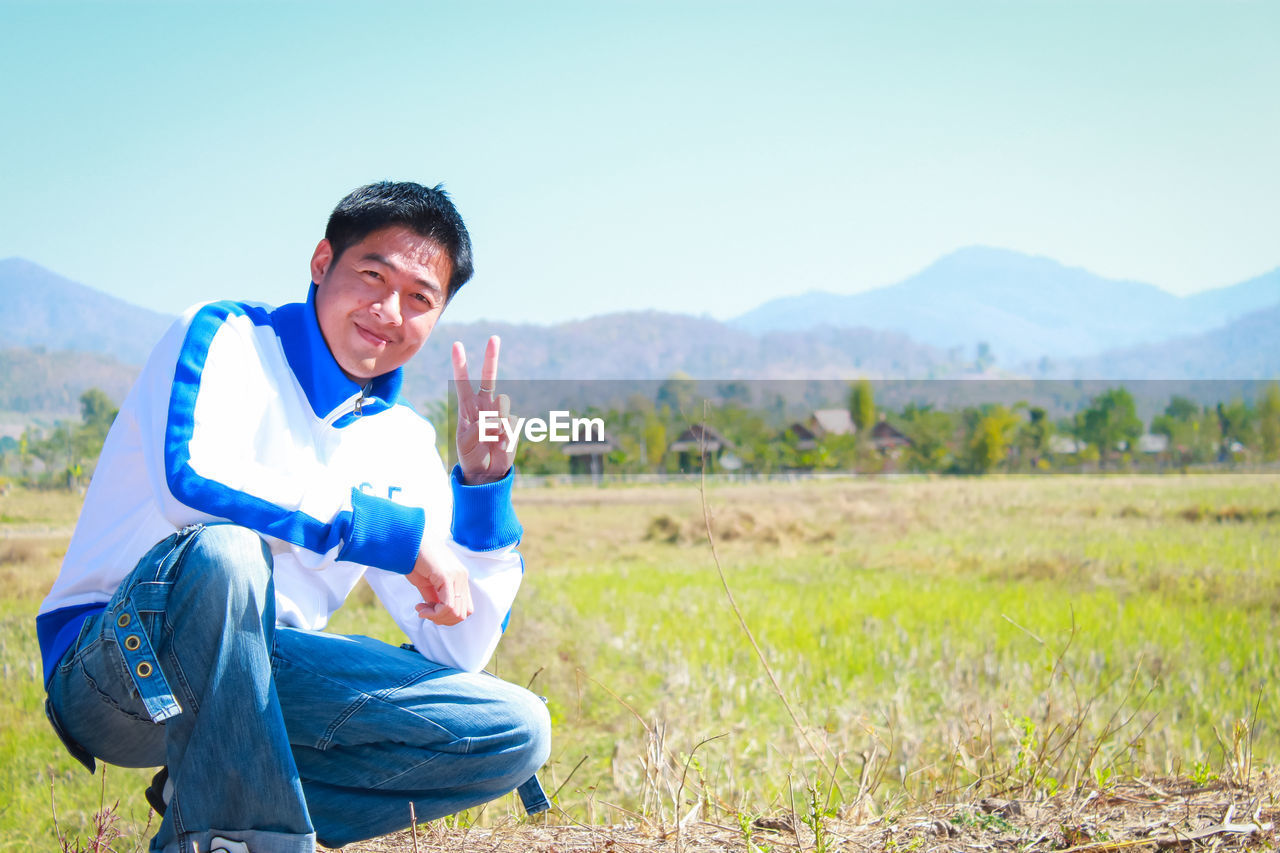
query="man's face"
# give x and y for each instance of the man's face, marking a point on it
(379, 301)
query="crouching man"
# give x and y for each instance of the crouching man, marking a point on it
(260, 467)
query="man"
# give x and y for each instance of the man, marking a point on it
(261, 465)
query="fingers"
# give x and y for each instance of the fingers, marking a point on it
(469, 401)
(439, 614)
(443, 584)
(486, 457)
(448, 607)
(489, 370)
(466, 399)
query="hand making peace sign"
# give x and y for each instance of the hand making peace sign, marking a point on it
(439, 577)
(482, 461)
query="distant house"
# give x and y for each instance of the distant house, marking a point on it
(698, 441)
(825, 422)
(1065, 445)
(805, 438)
(888, 439)
(1154, 443)
(819, 425)
(586, 458)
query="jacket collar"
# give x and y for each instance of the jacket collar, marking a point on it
(322, 380)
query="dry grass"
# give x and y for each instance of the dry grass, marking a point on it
(1160, 814)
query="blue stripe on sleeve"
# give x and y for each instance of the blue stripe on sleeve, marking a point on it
(220, 500)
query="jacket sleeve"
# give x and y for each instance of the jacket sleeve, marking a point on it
(483, 534)
(224, 420)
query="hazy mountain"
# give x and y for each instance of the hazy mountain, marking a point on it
(1024, 307)
(654, 345)
(39, 385)
(43, 316)
(39, 308)
(1014, 302)
(1221, 305)
(1247, 348)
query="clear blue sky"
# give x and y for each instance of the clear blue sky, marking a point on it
(691, 156)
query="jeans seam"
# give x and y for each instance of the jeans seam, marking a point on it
(382, 786)
(107, 699)
(176, 671)
(364, 698)
(159, 564)
(326, 740)
(78, 652)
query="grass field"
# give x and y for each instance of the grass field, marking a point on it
(1005, 636)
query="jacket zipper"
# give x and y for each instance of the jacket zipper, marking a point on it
(355, 402)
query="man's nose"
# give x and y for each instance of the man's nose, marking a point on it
(388, 308)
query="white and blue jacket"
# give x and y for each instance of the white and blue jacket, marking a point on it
(241, 414)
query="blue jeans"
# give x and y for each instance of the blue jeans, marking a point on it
(274, 736)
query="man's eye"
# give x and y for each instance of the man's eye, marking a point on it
(373, 275)
(422, 297)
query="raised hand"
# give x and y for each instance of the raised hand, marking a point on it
(482, 461)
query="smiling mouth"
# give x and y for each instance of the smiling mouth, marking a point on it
(375, 339)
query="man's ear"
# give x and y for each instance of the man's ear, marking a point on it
(321, 259)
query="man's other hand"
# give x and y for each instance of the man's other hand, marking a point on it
(444, 584)
(482, 461)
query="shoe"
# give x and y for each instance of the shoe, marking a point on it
(225, 845)
(160, 792)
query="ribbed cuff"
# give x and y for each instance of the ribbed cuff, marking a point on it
(483, 517)
(384, 534)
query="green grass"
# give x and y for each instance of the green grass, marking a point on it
(1002, 634)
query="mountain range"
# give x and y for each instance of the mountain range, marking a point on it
(1039, 318)
(1024, 307)
(39, 308)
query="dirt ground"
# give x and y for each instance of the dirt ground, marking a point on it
(1163, 814)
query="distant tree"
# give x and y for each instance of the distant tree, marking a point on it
(736, 392)
(862, 405)
(1181, 409)
(70, 451)
(990, 439)
(1110, 420)
(1181, 423)
(1236, 423)
(97, 413)
(24, 452)
(1269, 422)
(655, 441)
(437, 414)
(678, 392)
(985, 358)
(1033, 435)
(97, 409)
(931, 432)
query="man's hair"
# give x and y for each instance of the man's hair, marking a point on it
(427, 212)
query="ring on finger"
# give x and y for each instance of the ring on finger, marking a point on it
(484, 390)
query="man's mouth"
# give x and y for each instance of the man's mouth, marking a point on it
(372, 337)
